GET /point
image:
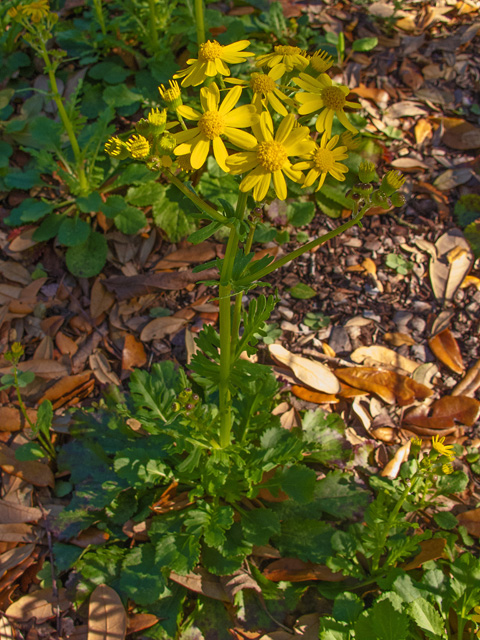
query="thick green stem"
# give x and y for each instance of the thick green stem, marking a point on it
(203, 206)
(67, 123)
(200, 22)
(99, 11)
(225, 397)
(238, 298)
(306, 247)
(153, 25)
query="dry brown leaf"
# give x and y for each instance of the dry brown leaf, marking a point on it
(44, 350)
(41, 605)
(132, 286)
(107, 619)
(315, 375)
(65, 344)
(446, 413)
(17, 533)
(12, 419)
(471, 521)
(67, 386)
(202, 582)
(313, 396)
(14, 557)
(430, 550)
(193, 254)
(423, 130)
(462, 136)
(13, 512)
(406, 163)
(470, 382)
(160, 328)
(390, 386)
(47, 369)
(295, 570)
(36, 473)
(397, 339)
(410, 74)
(392, 468)
(385, 434)
(379, 96)
(140, 621)
(385, 356)
(7, 632)
(446, 349)
(91, 536)
(102, 370)
(100, 299)
(15, 272)
(133, 354)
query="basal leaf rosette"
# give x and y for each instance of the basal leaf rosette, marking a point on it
(324, 159)
(270, 159)
(213, 59)
(216, 120)
(320, 94)
(266, 91)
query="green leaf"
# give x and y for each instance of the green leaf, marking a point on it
(44, 419)
(218, 564)
(170, 214)
(143, 464)
(24, 378)
(91, 203)
(298, 482)
(200, 235)
(48, 227)
(155, 391)
(472, 234)
(120, 96)
(6, 151)
(316, 320)
(65, 555)
(455, 482)
(338, 495)
(73, 231)
(212, 521)
(347, 607)
(445, 520)
(146, 194)
(383, 621)
(30, 210)
(109, 72)
(23, 179)
(365, 44)
(259, 525)
(130, 221)
(87, 259)
(302, 291)
(331, 629)
(29, 451)
(426, 617)
(141, 578)
(305, 539)
(467, 209)
(327, 432)
(300, 213)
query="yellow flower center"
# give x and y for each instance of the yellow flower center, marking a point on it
(209, 50)
(333, 98)
(211, 124)
(286, 50)
(138, 146)
(157, 117)
(261, 83)
(272, 155)
(323, 160)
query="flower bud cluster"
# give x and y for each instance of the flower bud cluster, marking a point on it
(186, 401)
(385, 195)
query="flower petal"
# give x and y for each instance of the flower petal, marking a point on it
(346, 122)
(285, 128)
(240, 138)
(187, 112)
(200, 153)
(261, 188)
(280, 185)
(242, 162)
(220, 152)
(231, 99)
(241, 117)
(183, 136)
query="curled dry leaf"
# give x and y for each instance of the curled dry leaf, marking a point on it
(312, 373)
(133, 354)
(446, 275)
(445, 413)
(470, 383)
(102, 370)
(313, 396)
(384, 356)
(14, 557)
(140, 621)
(67, 387)
(429, 550)
(392, 387)
(397, 339)
(446, 349)
(392, 468)
(295, 570)
(160, 328)
(107, 619)
(41, 605)
(471, 521)
(7, 632)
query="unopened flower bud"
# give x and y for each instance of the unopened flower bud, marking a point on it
(172, 96)
(138, 147)
(157, 120)
(166, 144)
(116, 148)
(142, 127)
(391, 182)
(379, 199)
(363, 189)
(176, 406)
(367, 172)
(398, 200)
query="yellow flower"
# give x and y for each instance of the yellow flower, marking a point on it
(172, 95)
(321, 95)
(447, 468)
(350, 141)
(138, 147)
(270, 158)
(324, 159)
(212, 57)
(416, 441)
(116, 148)
(392, 181)
(443, 449)
(214, 122)
(265, 90)
(321, 61)
(36, 11)
(287, 57)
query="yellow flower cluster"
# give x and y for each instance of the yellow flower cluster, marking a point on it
(34, 11)
(263, 141)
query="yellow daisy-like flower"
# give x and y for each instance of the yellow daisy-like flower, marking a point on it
(447, 468)
(443, 449)
(321, 61)
(265, 90)
(321, 95)
(216, 121)
(116, 148)
(324, 159)
(138, 147)
(287, 57)
(270, 158)
(212, 59)
(172, 95)
(36, 11)
(350, 141)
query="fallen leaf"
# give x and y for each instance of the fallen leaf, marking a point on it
(194, 254)
(102, 370)
(423, 131)
(312, 373)
(379, 96)
(7, 632)
(202, 582)
(389, 385)
(12, 419)
(17, 533)
(470, 382)
(397, 339)
(445, 413)
(100, 299)
(126, 287)
(313, 396)
(48, 369)
(140, 621)
(383, 355)
(392, 468)
(407, 163)
(41, 605)
(295, 570)
(14, 512)
(462, 136)
(430, 550)
(452, 178)
(446, 349)
(471, 521)
(160, 328)
(70, 388)
(36, 473)
(446, 276)
(65, 344)
(13, 557)
(133, 353)
(107, 619)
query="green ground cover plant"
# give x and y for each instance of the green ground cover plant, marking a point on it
(190, 471)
